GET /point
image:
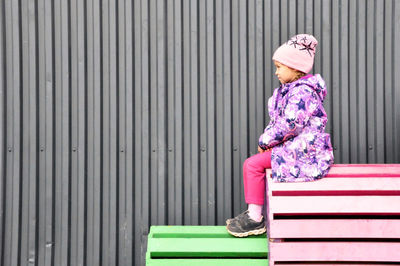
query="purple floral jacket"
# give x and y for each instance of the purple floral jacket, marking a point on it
(301, 150)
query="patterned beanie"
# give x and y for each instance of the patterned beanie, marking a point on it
(297, 53)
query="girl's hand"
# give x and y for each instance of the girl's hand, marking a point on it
(261, 150)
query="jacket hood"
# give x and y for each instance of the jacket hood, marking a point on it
(316, 83)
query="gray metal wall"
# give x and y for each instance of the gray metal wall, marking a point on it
(117, 115)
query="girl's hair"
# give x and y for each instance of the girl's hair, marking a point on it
(299, 74)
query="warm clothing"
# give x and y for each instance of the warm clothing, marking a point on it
(302, 151)
(297, 53)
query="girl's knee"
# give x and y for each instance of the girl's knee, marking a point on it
(246, 162)
(251, 161)
(254, 164)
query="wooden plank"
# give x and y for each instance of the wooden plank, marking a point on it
(341, 228)
(183, 231)
(339, 204)
(208, 247)
(364, 170)
(335, 251)
(196, 231)
(342, 184)
(361, 170)
(208, 262)
(338, 193)
(271, 263)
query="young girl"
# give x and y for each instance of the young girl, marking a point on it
(294, 144)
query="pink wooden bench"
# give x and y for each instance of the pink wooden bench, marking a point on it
(352, 215)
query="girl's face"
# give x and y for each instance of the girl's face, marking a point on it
(284, 73)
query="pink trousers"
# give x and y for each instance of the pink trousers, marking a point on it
(254, 177)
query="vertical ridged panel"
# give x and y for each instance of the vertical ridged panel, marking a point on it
(94, 107)
(116, 115)
(11, 251)
(395, 63)
(3, 148)
(77, 121)
(46, 132)
(61, 138)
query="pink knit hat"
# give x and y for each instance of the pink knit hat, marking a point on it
(297, 53)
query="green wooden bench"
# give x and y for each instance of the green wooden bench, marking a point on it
(203, 245)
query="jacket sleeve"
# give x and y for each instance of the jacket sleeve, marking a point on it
(298, 106)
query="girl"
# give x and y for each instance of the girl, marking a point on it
(294, 144)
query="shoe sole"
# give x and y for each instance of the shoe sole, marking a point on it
(244, 234)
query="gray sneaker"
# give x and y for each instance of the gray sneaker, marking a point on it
(228, 221)
(242, 226)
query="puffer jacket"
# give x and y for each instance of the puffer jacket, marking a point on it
(301, 150)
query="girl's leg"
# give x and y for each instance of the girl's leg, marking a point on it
(250, 222)
(254, 183)
(254, 177)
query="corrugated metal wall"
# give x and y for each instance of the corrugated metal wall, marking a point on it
(117, 115)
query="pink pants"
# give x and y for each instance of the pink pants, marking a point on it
(254, 177)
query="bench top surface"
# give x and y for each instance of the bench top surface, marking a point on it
(203, 241)
(364, 170)
(346, 180)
